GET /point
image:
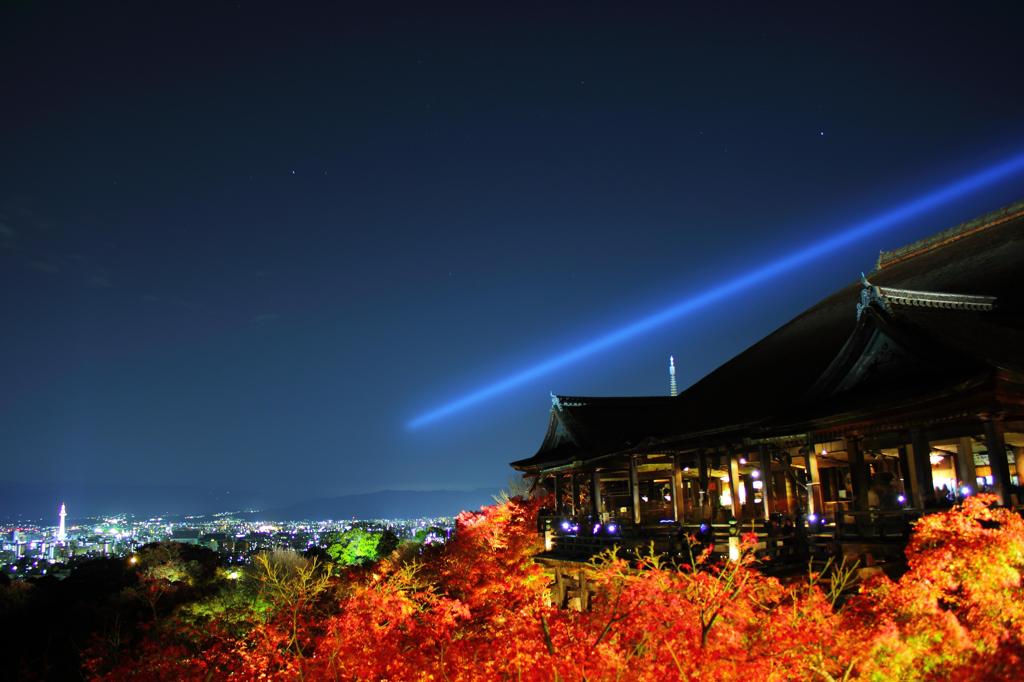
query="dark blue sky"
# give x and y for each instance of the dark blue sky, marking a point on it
(243, 244)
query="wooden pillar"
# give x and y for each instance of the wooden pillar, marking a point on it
(787, 481)
(858, 473)
(734, 484)
(911, 490)
(767, 493)
(634, 485)
(965, 464)
(559, 590)
(678, 499)
(815, 503)
(702, 482)
(595, 495)
(923, 466)
(1018, 459)
(997, 459)
(559, 507)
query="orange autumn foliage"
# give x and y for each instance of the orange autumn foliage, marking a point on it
(958, 612)
(478, 609)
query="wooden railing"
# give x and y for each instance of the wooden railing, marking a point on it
(876, 526)
(777, 545)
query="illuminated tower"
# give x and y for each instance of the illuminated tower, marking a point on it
(62, 533)
(672, 376)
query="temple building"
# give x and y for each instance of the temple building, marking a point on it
(898, 394)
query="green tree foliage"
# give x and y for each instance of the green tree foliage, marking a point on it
(358, 547)
(172, 571)
(388, 543)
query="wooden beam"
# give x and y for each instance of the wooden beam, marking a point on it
(858, 473)
(678, 500)
(634, 484)
(575, 491)
(911, 490)
(734, 484)
(815, 503)
(996, 443)
(1018, 459)
(559, 507)
(923, 466)
(767, 493)
(965, 470)
(787, 482)
(702, 482)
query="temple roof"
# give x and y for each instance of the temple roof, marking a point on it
(907, 356)
(966, 273)
(956, 298)
(582, 427)
(946, 237)
(888, 297)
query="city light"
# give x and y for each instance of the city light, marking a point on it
(30, 550)
(800, 257)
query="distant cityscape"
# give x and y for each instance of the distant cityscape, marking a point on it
(41, 549)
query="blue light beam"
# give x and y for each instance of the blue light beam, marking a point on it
(690, 305)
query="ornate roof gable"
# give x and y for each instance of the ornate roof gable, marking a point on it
(558, 434)
(880, 347)
(886, 298)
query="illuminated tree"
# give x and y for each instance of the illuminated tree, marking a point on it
(166, 568)
(358, 547)
(292, 584)
(959, 610)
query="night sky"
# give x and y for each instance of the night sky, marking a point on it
(242, 245)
